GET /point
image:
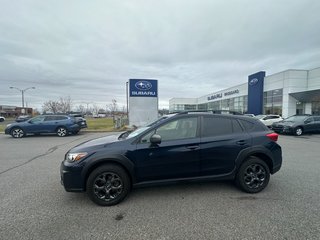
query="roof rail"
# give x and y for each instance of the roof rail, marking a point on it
(211, 111)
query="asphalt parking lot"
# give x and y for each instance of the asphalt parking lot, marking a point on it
(34, 205)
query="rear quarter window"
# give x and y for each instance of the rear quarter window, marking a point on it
(253, 126)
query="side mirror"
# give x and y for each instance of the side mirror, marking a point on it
(155, 139)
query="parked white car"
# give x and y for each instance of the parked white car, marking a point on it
(269, 119)
(2, 119)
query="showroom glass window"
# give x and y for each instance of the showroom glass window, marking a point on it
(272, 102)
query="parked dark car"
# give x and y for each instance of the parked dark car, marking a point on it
(59, 124)
(23, 118)
(81, 121)
(183, 147)
(298, 125)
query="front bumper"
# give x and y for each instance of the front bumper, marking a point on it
(7, 131)
(71, 177)
(282, 129)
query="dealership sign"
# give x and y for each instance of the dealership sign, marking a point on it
(220, 95)
(143, 88)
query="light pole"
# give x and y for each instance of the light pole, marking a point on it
(22, 93)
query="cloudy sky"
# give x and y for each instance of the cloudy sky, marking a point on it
(89, 49)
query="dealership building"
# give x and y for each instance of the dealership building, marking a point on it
(285, 93)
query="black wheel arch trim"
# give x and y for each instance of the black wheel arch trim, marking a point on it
(99, 160)
(257, 151)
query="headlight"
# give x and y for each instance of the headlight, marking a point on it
(73, 157)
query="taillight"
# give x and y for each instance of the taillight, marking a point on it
(273, 136)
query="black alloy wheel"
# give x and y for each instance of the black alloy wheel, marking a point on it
(108, 185)
(62, 131)
(253, 175)
(17, 133)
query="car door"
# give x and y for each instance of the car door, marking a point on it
(317, 123)
(51, 123)
(177, 156)
(35, 125)
(309, 125)
(221, 141)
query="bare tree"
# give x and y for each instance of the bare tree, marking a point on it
(62, 105)
(65, 104)
(113, 107)
(81, 109)
(51, 106)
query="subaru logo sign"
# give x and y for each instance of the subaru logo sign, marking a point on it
(253, 81)
(143, 85)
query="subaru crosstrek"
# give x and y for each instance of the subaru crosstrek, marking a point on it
(186, 146)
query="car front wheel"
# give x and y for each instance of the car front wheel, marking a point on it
(253, 175)
(298, 131)
(62, 132)
(108, 185)
(17, 133)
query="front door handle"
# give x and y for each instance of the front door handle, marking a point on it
(193, 147)
(241, 142)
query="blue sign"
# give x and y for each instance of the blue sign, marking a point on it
(143, 88)
(255, 93)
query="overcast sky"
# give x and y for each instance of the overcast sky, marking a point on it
(89, 49)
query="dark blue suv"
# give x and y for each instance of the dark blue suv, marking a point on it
(58, 124)
(185, 146)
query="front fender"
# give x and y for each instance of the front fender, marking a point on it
(100, 159)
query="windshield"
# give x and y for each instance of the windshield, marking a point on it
(136, 132)
(295, 118)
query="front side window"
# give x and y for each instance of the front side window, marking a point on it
(182, 128)
(37, 119)
(308, 120)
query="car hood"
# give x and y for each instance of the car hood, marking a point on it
(94, 144)
(20, 124)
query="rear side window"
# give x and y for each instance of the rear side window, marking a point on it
(316, 119)
(61, 117)
(236, 126)
(253, 126)
(216, 126)
(248, 126)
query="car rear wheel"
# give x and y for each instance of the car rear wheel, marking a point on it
(253, 175)
(17, 133)
(62, 132)
(108, 185)
(298, 131)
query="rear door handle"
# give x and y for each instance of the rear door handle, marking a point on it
(241, 142)
(193, 147)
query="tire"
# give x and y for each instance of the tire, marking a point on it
(62, 131)
(1, 119)
(17, 132)
(298, 131)
(108, 185)
(253, 175)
